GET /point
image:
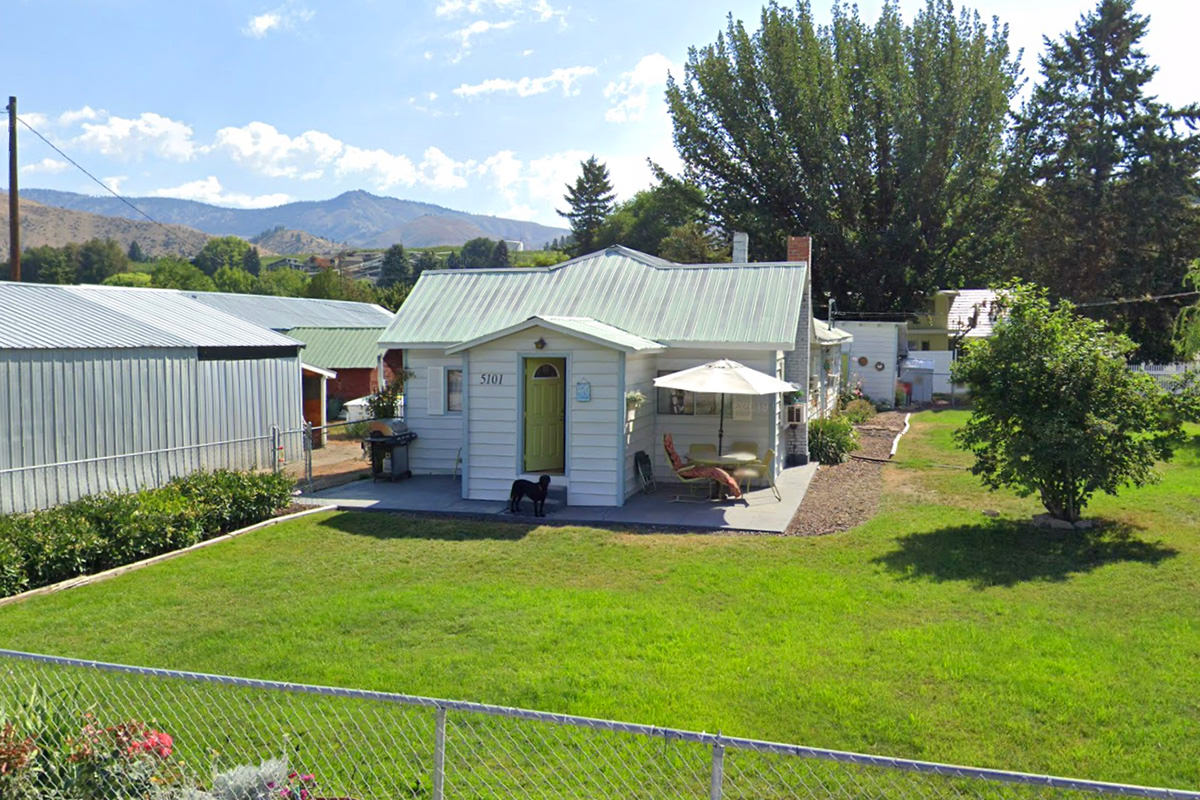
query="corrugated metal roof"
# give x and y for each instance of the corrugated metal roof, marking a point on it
(38, 316)
(339, 348)
(284, 313)
(583, 327)
(755, 304)
(966, 303)
(177, 314)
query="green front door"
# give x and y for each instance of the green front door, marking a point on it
(545, 406)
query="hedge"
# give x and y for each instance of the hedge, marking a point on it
(831, 440)
(110, 530)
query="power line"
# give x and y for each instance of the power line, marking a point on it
(99, 182)
(1147, 299)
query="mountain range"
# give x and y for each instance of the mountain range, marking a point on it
(356, 218)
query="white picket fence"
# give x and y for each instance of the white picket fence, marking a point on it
(1167, 372)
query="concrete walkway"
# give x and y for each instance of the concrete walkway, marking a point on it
(441, 494)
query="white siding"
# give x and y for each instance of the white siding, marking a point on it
(593, 438)
(877, 342)
(640, 424)
(70, 405)
(686, 430)
(439, 436)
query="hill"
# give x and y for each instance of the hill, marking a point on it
(359, 218)
(288, 242)
(50, 225)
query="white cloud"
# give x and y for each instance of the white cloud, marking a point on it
(286, 17)
(47, 165)
(148, 134)
(525, 87)
(385, 169)
(630, 95)
(476, 28)
(209, 190)
(439, 171)
(454, 8)
(78, 115)
(262, 148)
(527, 52)
(35, 119)
(114, 182)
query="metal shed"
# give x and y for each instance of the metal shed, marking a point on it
(916, 376)
(115, 389)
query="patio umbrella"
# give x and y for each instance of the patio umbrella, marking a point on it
(724, 377)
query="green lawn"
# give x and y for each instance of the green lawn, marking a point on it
(933, 631)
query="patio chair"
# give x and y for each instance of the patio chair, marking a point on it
(695, 474)
(764, 470)
(745, 447)
(704, 451)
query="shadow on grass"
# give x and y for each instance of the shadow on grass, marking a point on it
(1005, 553)
(401, 525)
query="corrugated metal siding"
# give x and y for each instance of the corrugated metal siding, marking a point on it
(339, 348)
(281, 313)
(753, 304)
(66, 405)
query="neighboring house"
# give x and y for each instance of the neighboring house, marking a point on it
(92, 373)
(957, 314)
(527, 371)
(341, 360)
(875, 355)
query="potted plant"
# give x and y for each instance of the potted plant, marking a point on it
(386, 406)
(634, 400)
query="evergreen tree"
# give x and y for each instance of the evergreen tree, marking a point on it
(500, 255)
(395, 268)
(251, 262)
(590, 201)
(135, 252)
(1108, 178)
(453, 261)
(424, 260)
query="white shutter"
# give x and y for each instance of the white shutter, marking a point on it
(437, 391)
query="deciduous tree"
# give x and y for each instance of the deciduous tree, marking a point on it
(221, 251)
(1056, 411)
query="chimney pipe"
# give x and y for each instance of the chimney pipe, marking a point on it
(799, 248)
(741, 247)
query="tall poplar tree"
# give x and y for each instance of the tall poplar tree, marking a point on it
(1108, 175)
(883, 141)
(590, 201)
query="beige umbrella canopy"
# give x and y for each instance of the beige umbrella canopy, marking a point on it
(724, 377)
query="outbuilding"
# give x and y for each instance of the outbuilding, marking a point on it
(114, 389)
(521, 372)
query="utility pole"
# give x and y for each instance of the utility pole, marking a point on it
(14, 205)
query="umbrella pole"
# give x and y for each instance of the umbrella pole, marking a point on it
(721, 428)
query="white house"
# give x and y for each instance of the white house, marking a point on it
(529, 371)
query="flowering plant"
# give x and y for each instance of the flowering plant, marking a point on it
(125, 759)
(297, 786)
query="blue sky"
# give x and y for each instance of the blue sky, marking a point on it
(483, 105)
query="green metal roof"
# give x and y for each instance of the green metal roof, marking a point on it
(583, 327)
(752, 305)
(338, 348)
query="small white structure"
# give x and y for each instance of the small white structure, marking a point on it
(825, 367)
(113, 389)
(874, 357)
(539, 370)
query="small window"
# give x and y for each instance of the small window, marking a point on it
(454, 389)
(924, 344)
(546, 371)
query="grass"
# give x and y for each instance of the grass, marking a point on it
(933, 631)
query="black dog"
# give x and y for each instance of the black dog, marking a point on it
(534, 491)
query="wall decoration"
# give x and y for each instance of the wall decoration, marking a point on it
(743, 407)
(862, 361)
(583, 391)
(879, 365)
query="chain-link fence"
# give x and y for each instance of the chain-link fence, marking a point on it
(79, 729)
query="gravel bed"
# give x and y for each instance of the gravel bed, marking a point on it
(842, 496)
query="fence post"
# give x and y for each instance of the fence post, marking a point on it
(275, 449)
(439, 755)
(718, 771)
(308, 450)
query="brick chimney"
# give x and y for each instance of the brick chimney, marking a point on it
(799, 248)
(741, 247)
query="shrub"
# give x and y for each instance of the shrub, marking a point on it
(109, 530)
(831, 440)
(858, 411)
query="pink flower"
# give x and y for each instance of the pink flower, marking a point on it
(307, 778)
(285, 792)
(304, 794)
(270, 784)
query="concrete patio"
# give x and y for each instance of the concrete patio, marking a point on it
(441, 495)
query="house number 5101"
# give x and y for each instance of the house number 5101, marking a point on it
(496, 378)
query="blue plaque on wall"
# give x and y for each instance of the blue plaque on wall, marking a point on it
(583, 392)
